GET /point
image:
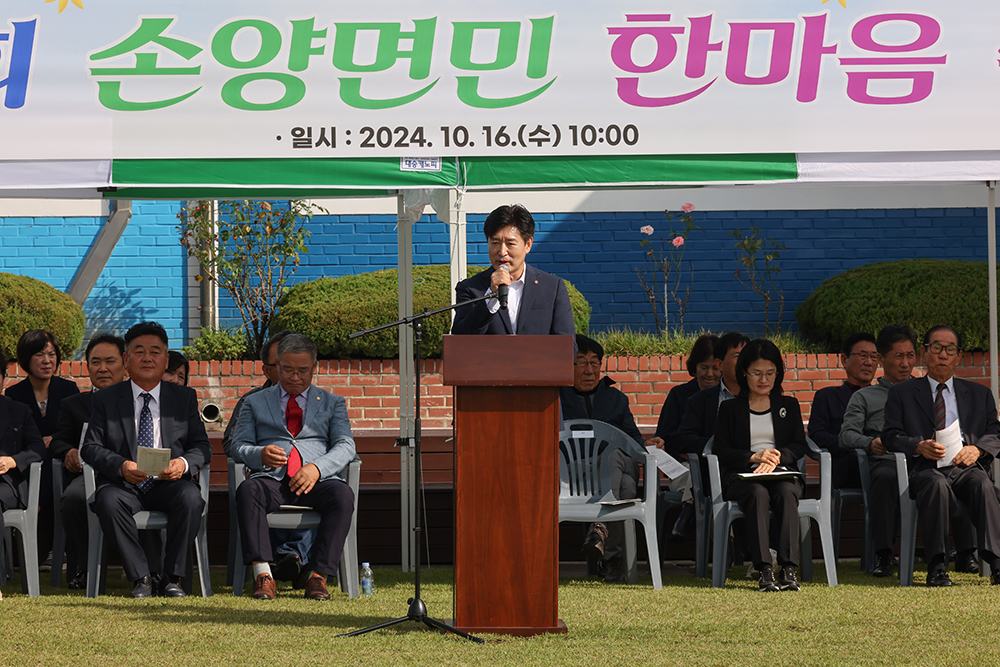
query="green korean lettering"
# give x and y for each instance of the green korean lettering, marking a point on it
(222, 43)
(232, 91)
(539, 48)
(150, 30)
(350, 93)
(109, 94)
(389, 49)
(301, 45)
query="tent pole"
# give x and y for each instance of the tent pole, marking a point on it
(457, 240)
(407, 467)
(991, 216)
(100, 251)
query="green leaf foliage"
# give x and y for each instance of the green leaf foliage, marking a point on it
(329, 309)
(919, 292)
(223, 344)
(26, 303)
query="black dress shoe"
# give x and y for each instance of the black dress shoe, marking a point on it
(143, 588)
(593, 544)
(287, 569)
(967, 562)
(171, 589)
(995, 577)
(79, 582)
(938, 578)
(682, 527)
(885, 566)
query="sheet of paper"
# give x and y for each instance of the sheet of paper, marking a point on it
(627, 501)
(152, 460)
(777, 474)
(667, 464)
(951, 438)
(83, 434)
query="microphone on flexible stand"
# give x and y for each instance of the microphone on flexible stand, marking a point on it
(503, 290)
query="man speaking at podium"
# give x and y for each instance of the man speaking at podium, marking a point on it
(528, 301)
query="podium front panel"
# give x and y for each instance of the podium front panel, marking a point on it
(507, 509)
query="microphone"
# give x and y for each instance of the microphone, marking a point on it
(503, 290)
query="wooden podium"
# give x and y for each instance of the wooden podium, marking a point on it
(507, 480)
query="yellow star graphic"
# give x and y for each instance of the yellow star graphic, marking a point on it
(65, 3)
(843, 3)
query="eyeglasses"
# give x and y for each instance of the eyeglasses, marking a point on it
(584, 363)
(757, 375)
(295, 372)
(950, 350)
(865, 356)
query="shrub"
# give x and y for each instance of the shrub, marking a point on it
(328, 309)
(628, 343)
(917, 292)
(220, 344)
(26, 303)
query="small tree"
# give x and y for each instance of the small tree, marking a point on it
(664, 267)
(250, 249)
(763, 280)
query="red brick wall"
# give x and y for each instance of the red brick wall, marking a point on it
(371, 387)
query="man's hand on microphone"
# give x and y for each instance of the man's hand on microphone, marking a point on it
(500, 277)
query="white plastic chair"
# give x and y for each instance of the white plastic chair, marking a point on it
(585, 482)
(289, 519)
(724, 512)
(856, 496)
(144, 520)
(25, 522)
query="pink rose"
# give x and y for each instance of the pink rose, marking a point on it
(647, 230)
(687, 208)
(678, 241)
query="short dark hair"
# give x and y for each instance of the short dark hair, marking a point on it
(892, 334)
(146, 329)
(110, 339)
(702, 350)
(296, 342)
(727, 342)
(510, 216)
(927, 336)
(854, 339)
(31, 343)
(760, 348)
(175, 360)
(273, 340)
(585, 345)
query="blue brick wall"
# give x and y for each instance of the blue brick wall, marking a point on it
(598, 252)
(144, 278)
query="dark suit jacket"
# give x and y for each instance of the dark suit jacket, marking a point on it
(732, 433)
(827, 417)
(59, 389)
(698, 423)
(909, 418)
(544, 309)
(607, 404)
(20, 440)
(73, 416)
(673, 409)
(111, 437)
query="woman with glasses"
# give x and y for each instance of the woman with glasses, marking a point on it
(704, 373)
(760, 431)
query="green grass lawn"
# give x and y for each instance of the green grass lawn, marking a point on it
(863, 621)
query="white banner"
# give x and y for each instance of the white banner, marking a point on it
(99, 79)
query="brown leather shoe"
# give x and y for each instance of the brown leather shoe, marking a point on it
(263, 587)
(316, 588)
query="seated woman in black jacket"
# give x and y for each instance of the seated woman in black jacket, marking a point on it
(760, 431)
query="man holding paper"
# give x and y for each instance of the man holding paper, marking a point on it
(145, 412)
(948, 427)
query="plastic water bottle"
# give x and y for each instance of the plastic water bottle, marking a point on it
(367, 581)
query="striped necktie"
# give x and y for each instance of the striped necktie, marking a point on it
(940, 417)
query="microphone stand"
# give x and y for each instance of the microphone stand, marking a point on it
(417, 610)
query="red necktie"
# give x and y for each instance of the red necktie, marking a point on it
(293, 417)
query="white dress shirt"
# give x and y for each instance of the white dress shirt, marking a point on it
(513, 300)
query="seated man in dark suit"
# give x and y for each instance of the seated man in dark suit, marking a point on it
(918, 414)
(698, 423)
(106, 367)
(594, 397)
(20, 445)
(296, 439)
(147, 412)
(859, 359)
(531, 302)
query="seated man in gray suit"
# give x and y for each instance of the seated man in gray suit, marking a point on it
(296, 440)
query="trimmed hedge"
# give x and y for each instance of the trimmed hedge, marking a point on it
(26, 303)
(919, 292)
(328, 309)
